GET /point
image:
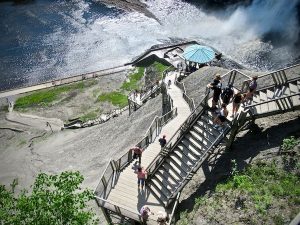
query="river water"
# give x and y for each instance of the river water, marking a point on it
(42, 39)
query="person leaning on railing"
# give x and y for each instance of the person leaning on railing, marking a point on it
(252, 89)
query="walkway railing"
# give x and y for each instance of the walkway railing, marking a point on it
(189, 100)
(113, 168)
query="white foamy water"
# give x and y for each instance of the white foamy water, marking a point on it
(84, 36)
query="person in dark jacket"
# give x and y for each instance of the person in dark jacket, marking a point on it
(216, 86)
(227, 94)
(162, 141)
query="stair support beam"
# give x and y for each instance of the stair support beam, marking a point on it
(236, 125)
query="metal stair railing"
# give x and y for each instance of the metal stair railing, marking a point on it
(288, 97)
(197, 165)
(173, 141)
(275, 79)
(150, 135)
(282, 76)
(189, 100)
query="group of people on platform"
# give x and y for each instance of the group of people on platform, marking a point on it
(226, 95)
(145, 211)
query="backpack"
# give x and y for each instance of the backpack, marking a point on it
(227, 92)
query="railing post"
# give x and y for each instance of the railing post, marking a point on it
(104, 182)
(236, 124)
(106, 215)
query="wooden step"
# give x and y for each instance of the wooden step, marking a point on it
(174, 165)
(180, 163)
(205, 134)
(173, 172)
(277, 92)
(165, 175)
(199, 137)
(196, 143)
(208, 128)
(207, 119)
(187, 159)
(158, 193)
(197, 152)
(163, 185)
(190, 154)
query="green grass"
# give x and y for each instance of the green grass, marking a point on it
(89, 116)
(45, 97)
(264, 183)
(116, 98)
(133, 80)
(160, 67)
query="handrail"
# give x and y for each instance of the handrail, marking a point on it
(190, 120)
(80, 77)
(189, 100)
(276, 71)
(102, 174)
(271, 100)
(174, 208)
(138, 215)
(194, 168)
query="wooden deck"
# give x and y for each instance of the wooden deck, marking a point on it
(126, 193)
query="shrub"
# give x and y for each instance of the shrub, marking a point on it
(54, 199)
(289, 143)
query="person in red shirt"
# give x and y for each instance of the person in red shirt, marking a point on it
(137, 153)
(141, 175)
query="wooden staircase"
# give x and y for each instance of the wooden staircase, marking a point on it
(179, 165)
(180, 160)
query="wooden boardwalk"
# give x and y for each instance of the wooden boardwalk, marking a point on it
(126, 193)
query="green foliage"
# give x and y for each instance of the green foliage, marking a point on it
(264, 183)
(160, 67)
(89, 116)
(133, 80)
(200, 201)
(289, 143)
(184, 220)
(45, 97)
(116, 98)
(55, 199)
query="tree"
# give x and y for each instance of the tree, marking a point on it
(54, 199)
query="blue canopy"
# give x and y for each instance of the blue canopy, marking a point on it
(199, 54)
